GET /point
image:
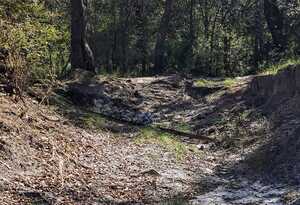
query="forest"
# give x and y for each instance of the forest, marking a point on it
(138, 37)
(170, 102)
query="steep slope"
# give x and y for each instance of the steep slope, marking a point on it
(278, 97)
(65, 154)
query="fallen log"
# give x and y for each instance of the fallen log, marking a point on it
(184, 134)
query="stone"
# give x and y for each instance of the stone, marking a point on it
(114, 99)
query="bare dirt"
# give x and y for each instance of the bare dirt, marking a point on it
(66, 154)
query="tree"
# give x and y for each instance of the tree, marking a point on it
(142, 33)
(125, 17)
(81, 54)
(275, 21)
(207, 37)
(159, 61)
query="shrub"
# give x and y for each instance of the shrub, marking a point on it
(33, 36)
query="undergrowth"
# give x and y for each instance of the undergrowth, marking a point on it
(93, 121)
(36, 35)
(166, 140)
(273, 69)
(227, 82)
(183, 127)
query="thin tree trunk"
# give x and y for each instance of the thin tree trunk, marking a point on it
(227, 50)
(142, 33)
(258, 37)
(115, 37)
(124, 37)
(192, 36)
(81, 54)
(275, 21)
(159, 61)
(144, 36)
(192, 24)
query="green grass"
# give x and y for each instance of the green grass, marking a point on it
(93, 121)
(169, 142)
(273, 69)
(183, 127)
(205, 83)
(227, 82)
(113, 74)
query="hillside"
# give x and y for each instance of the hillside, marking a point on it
(204, 140)
(149, 102)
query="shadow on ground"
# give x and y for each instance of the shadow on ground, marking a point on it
(255, 149)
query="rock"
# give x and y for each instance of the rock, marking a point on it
(245, 193)
(204, 146)
(151, 172)
(114, 99)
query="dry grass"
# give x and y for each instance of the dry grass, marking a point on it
(17, 73)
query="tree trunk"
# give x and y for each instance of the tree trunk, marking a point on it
(275, 21)
(81, 54)
(159, 61)
(124, 34)
(113, 32)
(189, 59)
(226, 57)
(192, 24)
(258, 52)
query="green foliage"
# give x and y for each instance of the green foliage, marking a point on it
(227, 82)
(204, 83)
(123, 35)
(93, 121)
(166, 140)
(273, 69)
(212, 38)
(183, 127)
(29, 29)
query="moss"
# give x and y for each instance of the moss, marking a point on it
(169, 142)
